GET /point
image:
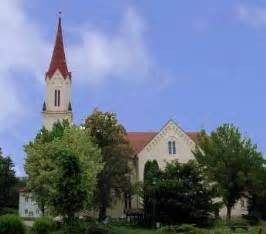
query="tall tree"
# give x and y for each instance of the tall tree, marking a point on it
(7, 180)
(229, 159)
(41, 166)
(151, 176)
(110, 136)
(69, 195)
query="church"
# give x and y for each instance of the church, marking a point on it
(169, 143)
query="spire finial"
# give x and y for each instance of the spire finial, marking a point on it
(59, 17)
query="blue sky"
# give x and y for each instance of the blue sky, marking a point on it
(201, 63)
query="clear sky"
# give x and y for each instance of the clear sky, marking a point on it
(201, 63)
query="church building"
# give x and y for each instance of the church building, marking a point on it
(170, 143)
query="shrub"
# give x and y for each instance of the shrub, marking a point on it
(184, 228)
(11, 224)
(94, 228)
(43, 225)
(7, 210)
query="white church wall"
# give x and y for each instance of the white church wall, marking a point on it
(54, 113)
(27, 206)
(239, 209)
(157, 149)
(57, 81)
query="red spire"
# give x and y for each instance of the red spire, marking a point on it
(58, 59)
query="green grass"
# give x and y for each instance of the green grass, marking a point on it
(131, 230)
(218, 230)
(125, 229)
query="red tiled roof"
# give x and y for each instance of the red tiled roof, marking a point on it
(58, 58)
(138, 140)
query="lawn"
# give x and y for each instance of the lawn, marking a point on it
(125, 229)
(131, 230)
(220, 230)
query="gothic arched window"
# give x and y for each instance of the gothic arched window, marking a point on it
(171, 147)
(57, 97)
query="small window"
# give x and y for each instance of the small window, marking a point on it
(58, 101)
(57, 97)
(26, 211)
(171, 147)
(27, 199)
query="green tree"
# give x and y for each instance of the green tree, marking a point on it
(257, 194)
(7, 181)
(69, 194)
(41, 166)
(113, 181)
(229, 159)
(151, 175)
(182, 194)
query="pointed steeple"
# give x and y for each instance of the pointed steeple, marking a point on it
(58, 58)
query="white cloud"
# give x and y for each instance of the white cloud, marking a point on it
(21, 49)
(252, 15)
(121, 55)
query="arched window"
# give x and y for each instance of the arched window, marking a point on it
(171, 147)
(57, 97)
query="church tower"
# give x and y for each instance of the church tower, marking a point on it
(57, 104)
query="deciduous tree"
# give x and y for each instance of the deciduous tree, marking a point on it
(110, 136)
(229, 159)
(41, 166)
(7, 181)
(69, 195)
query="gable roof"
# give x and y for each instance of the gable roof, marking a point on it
(138, 140)
(58, 60)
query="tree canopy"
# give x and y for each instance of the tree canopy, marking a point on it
(42, 155)
(8, 181)
(69, 194)
(177, 194)
(229, 160)
(110, 136)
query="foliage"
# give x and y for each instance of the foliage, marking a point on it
(41, 162)
(7, 210)
(113, 180)
(94, 228)
(69, 195)
(183, 188)
(229, 160)
(184, 228)
(11, 224)
(151, 174)
(43, 225)
(85, 228)
(7, 182)
(257, 196)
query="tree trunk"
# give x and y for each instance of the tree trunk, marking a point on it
(102, 213)
(42, 208)
(228, 214)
